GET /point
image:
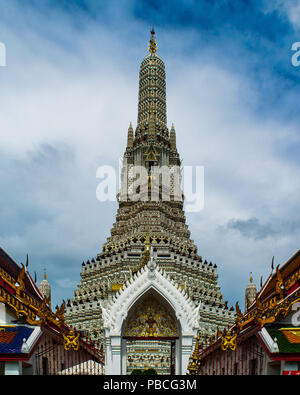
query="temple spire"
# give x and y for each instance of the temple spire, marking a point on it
(152, 44)
(250, 293)
(173, 137)
(152, 89)
(130, 136)
(45, 287)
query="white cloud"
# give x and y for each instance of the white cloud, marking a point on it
(66, 283)
(290, 8)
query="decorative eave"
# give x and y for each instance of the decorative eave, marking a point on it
(276, 298)
(274, 301)
(255, 326)
(19, 292)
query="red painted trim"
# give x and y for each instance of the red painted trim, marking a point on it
(293, 288)
(14, 357)
(149, 338)
(291, 372)
(7, 287)
(285, 357)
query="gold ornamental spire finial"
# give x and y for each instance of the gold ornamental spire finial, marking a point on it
(251, 278)
(147, 239)
(194, 361)
(45, 274)
(152, 46)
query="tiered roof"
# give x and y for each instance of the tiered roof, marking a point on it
(20, 294)
(267, 317)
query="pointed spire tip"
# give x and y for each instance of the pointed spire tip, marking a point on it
(152, 45)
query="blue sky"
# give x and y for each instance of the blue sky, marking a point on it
(69, 91)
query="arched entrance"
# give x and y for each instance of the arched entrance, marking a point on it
(119, 315)
(151, 334)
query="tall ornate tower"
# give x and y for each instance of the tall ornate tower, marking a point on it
(250, 293)
(146, 221)
(45, 287)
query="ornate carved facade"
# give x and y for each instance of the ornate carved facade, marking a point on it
(33, 339)
(151, 319)
(263, 340)
(157, 222)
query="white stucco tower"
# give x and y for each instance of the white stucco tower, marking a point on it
(151, 214)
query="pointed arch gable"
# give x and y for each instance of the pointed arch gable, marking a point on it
(144, 281)
(151, 306)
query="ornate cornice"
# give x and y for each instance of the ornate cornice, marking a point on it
(268, 311)
(33, 311)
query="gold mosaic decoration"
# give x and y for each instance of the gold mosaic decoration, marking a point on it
(228, 341)
(151, 319)
(267, 312)
(71, 341)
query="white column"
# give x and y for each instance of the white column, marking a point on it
(107, 355)
(178, 357)
(124, 356)
(178, 362)
(5, 316)
(186, 351)
(116, 362)
(13, 368)
(2, 313)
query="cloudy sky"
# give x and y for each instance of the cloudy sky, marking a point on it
(70, 89)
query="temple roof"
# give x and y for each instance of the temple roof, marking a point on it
(285, 272)
(13, 269)
(20, 295)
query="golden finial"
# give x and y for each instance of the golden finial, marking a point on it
(147, 241)
(45, 274)
(152, 46)
(251, 278)
(194, 360)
